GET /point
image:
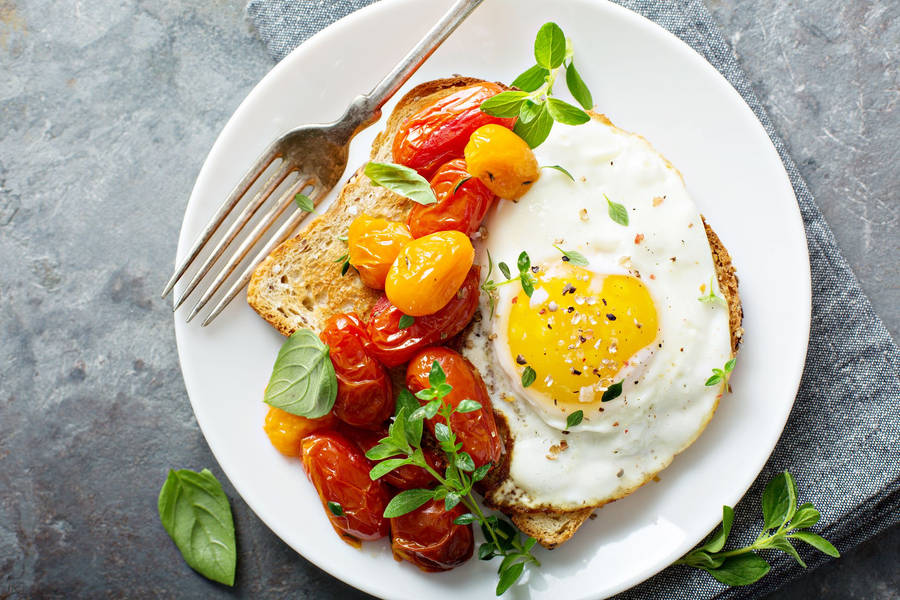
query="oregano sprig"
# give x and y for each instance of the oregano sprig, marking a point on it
(403, 446)
(533, 103)
(712, 297)
(720, 376)
(525, 277)
(783, 521)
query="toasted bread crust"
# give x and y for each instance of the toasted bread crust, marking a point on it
(299, 285)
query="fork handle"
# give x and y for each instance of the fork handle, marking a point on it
(366, 108)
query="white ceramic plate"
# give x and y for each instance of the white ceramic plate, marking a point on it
(645, 80)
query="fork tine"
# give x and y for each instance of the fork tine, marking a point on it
(286, 200)
(282, 234)
(224, 210)
(251, 209)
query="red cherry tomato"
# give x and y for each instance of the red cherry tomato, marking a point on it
(394, 346)
(428, 538)
(340, 472)
(459, 207)
(407, 477)
(365, 395)
(440, 131)
(477, 430)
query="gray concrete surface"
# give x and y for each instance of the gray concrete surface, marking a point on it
(108, 108)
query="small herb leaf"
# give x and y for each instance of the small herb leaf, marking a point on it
(718, 539)
(531, 79)
(504, 268)
(460, 183)
(566, 113)
(573, 257)
(464, 519)
(509, 577)
(742, 569)
(436, 376)
(407, 405)
(806, 516)
(304, 202)
(303, 380)
(401, 180)
(574, 419)
(536, 129)
(617, 212)
(336, 508)
(776, 502)
(406, 502)
(195, 513)
(386, 466)
(504, 104)
(467, 406)
(406, 321)
(528, 376)
(577, 87)
(550, 46)
(560, 169)
(523, 262)
(817, 542)
(612, 392)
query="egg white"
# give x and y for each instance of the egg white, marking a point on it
(665, 404)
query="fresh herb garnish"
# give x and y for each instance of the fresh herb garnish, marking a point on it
(571, 256)
(345, 263)
(712, 297)
(460, 182)
(336, 508)
(612, 392)
(401, 180)
(525, 276)
(304, 202)
(195, 512)
(721, 375)
(574, 419)
(406, 321)
(783, 521)
(617, 212)
(534, 106)
(528, 376)
(403, 446)
(560, 169)
(303, 380)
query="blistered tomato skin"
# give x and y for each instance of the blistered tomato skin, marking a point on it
(502, 161)
(477, 430)
(407, 477)
(462, 202)
(286, 431)
(365, 395)
(340, 473)
(439, 132)
(428, 272)
(428, 537)
(393, 346)
(372, 245)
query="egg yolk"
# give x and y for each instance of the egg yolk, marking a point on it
(577, 331)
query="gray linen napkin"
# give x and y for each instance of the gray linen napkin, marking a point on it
(842, 440)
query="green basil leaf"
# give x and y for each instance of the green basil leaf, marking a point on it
(451, 500)
(480, 472)
(304, 202)
(464, 519)
(401, 180)
(407, 402)
(504, 104)
(531, 79)
(742, 569)
(718, 539)
(577, 87)
(535, 130)
(817, 542)
(574, 419)
(195, 513)
(406, 502)
(566, 113)
(528, 376)
(464, 462)
(576, 258)
(436, 376)
(612, 392)
(303, 380)
(550, 46)
(560, 169)
(617, 212)
(467, 406)
(509, 577)
(783, 544)
(336, 508)
(776, 502)
(806, 516)
(406, 321)
(386, 466)
(504, 268)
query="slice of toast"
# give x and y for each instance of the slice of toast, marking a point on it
(300, 286)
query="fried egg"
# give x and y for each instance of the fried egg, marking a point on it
(614, 327)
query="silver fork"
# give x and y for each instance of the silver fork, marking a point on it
(313, 158)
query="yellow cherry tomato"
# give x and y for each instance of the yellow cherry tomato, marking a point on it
(286, 430)
(373, 244)
(428, 272)
(502, 160)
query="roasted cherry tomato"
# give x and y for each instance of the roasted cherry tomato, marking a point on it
(440, 131)
(428, 538)
(406, 477)
(365, 395)
(286, 430)
(394, 346)
(477, 430)
(428, 272)
(502, 160)
(373, 244)
(340, 472)
(462, 202)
